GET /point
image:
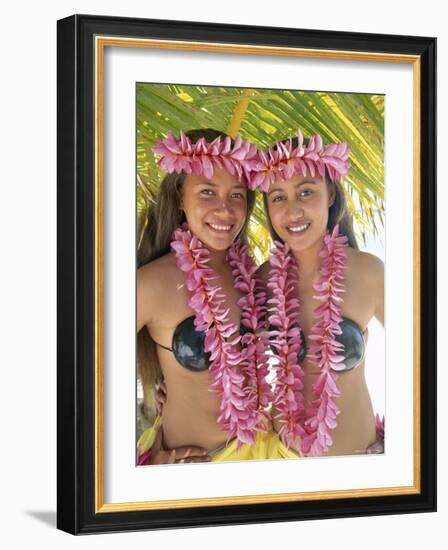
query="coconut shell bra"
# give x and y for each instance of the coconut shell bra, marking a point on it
(187, 345)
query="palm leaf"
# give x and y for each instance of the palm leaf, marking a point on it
(264, 116)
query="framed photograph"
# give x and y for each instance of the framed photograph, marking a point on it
(246, 274)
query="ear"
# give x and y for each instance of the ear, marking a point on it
(331, 193)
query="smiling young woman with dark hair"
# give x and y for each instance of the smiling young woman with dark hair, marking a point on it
(324, 292)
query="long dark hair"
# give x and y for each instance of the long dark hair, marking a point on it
(338, 212)
(155, 234)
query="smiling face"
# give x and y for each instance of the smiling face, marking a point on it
(215, 208)
(298, 210)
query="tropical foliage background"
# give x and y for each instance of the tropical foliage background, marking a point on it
(264, 116)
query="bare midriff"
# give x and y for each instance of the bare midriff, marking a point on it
(191, 411)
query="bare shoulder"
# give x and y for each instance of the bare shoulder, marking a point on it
(365, 264)
(367, 275)
(155, 281)
(152, 272)
(160, 275)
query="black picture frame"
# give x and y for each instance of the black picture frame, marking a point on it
(78, 511)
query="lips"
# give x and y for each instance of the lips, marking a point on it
(298, 228)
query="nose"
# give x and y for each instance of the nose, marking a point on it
(223, 205)
(296, 210)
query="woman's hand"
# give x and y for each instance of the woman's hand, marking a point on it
(180, 455)
(377, 448)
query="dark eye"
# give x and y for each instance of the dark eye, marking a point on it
(278, 198)
(207, 192)
(306, 193)
(238, 195)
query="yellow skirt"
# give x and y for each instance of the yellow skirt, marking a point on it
(267, 446)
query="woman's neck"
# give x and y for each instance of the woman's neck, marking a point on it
(309, 261)
(218, 260)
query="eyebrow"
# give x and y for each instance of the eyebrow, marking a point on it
(207, 182)
(295, 186)
(213, 184)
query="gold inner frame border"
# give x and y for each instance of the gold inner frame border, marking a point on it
(101, 42)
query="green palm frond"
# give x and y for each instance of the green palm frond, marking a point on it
(264, 116)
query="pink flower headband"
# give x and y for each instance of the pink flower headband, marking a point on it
(203, 157)
(261, 168)
(283, 161)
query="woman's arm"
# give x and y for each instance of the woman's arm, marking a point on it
(148, 294)
(377, 270)
(379, 291)
(181, 455)
(369, 270)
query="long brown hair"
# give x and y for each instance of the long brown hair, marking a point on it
(155, 234)
(338, 212)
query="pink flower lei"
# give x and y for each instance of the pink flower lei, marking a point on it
(307, 431)
(237, 364)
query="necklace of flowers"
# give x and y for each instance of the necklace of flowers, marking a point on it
(308, 431)
(238, 367)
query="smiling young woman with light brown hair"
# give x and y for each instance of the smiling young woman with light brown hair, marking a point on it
(199, 308)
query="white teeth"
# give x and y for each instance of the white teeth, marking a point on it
(298, 228)
(220, 227)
